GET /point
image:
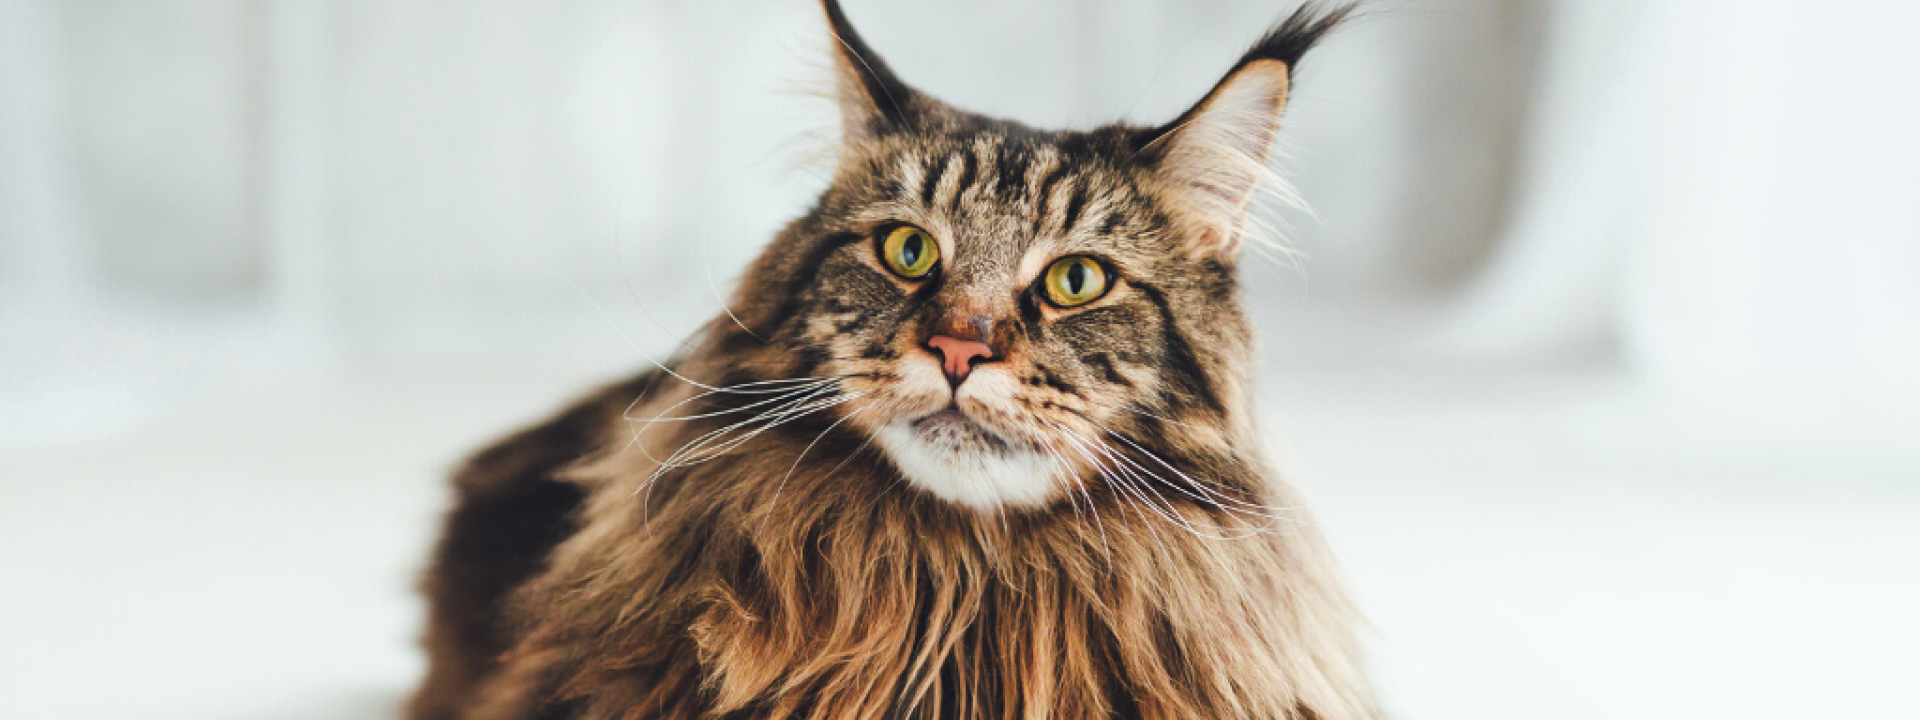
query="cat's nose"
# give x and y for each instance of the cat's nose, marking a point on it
(958, 356)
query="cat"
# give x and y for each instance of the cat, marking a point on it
(974, 440)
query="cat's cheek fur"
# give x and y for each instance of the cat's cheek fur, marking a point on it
(918, 388)
(989, 397)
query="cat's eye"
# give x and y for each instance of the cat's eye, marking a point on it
(1075, 281)
(910, 252)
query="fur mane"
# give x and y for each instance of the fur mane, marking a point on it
(807, 596)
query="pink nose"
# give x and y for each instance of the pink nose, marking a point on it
(958, 356)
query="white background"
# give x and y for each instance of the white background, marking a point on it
(1598, 360)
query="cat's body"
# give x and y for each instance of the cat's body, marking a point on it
(973, 442)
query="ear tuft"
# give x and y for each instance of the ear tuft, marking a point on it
(1215, 154)
(872, 100)
(1290, 40)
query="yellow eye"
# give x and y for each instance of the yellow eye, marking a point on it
(1075, 281)
(910, 252)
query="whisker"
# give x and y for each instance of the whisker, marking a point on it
(706, 265)
(1205, 495)
(1216, 498)
(1072, 500)
(1162, 418)
(1170, 421)
(1067, 469)
(1133, 471)
(1141, 505)
(787, 405)
(1139, 499)
(789, 386)
(1219, 499)
(681, 341)
(662, 415)
(698, 452)
(1149, 486)
(1171, 513)
(802, 393)
(802, 456)
(635, 296)
(813, 402)
(788, 390)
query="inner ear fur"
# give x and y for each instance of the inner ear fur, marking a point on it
(1214, 156)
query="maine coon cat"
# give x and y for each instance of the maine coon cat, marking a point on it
(973, 442)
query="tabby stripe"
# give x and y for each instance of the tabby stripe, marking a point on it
(1010, 170)
(969, 168)
(932, 183)
(809, 271)
(1104, 363)
(1075, 203)
(1045, 195)
(1030, 313)
(1180, 355)
(1051, 380)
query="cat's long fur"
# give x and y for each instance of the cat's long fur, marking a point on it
(642, 556)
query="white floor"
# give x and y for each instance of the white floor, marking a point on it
(1532, 547)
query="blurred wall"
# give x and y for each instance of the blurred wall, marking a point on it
(203, 190)
(472, 169)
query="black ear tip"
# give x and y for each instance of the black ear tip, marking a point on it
(843, 32)
(1289, 40)
(1286, 42)
(836, 16)
(882, 88)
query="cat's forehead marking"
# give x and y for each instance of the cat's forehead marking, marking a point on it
(991, 175)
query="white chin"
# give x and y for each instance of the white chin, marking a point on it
(962, 463)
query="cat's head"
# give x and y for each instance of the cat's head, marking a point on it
(1012, 312)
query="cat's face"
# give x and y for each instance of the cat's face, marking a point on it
(1011, 314)
(1000, 299)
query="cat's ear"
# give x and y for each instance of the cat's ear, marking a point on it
(872, 100)
(1214, 156)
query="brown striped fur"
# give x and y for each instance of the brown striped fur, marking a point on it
(725, 539)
